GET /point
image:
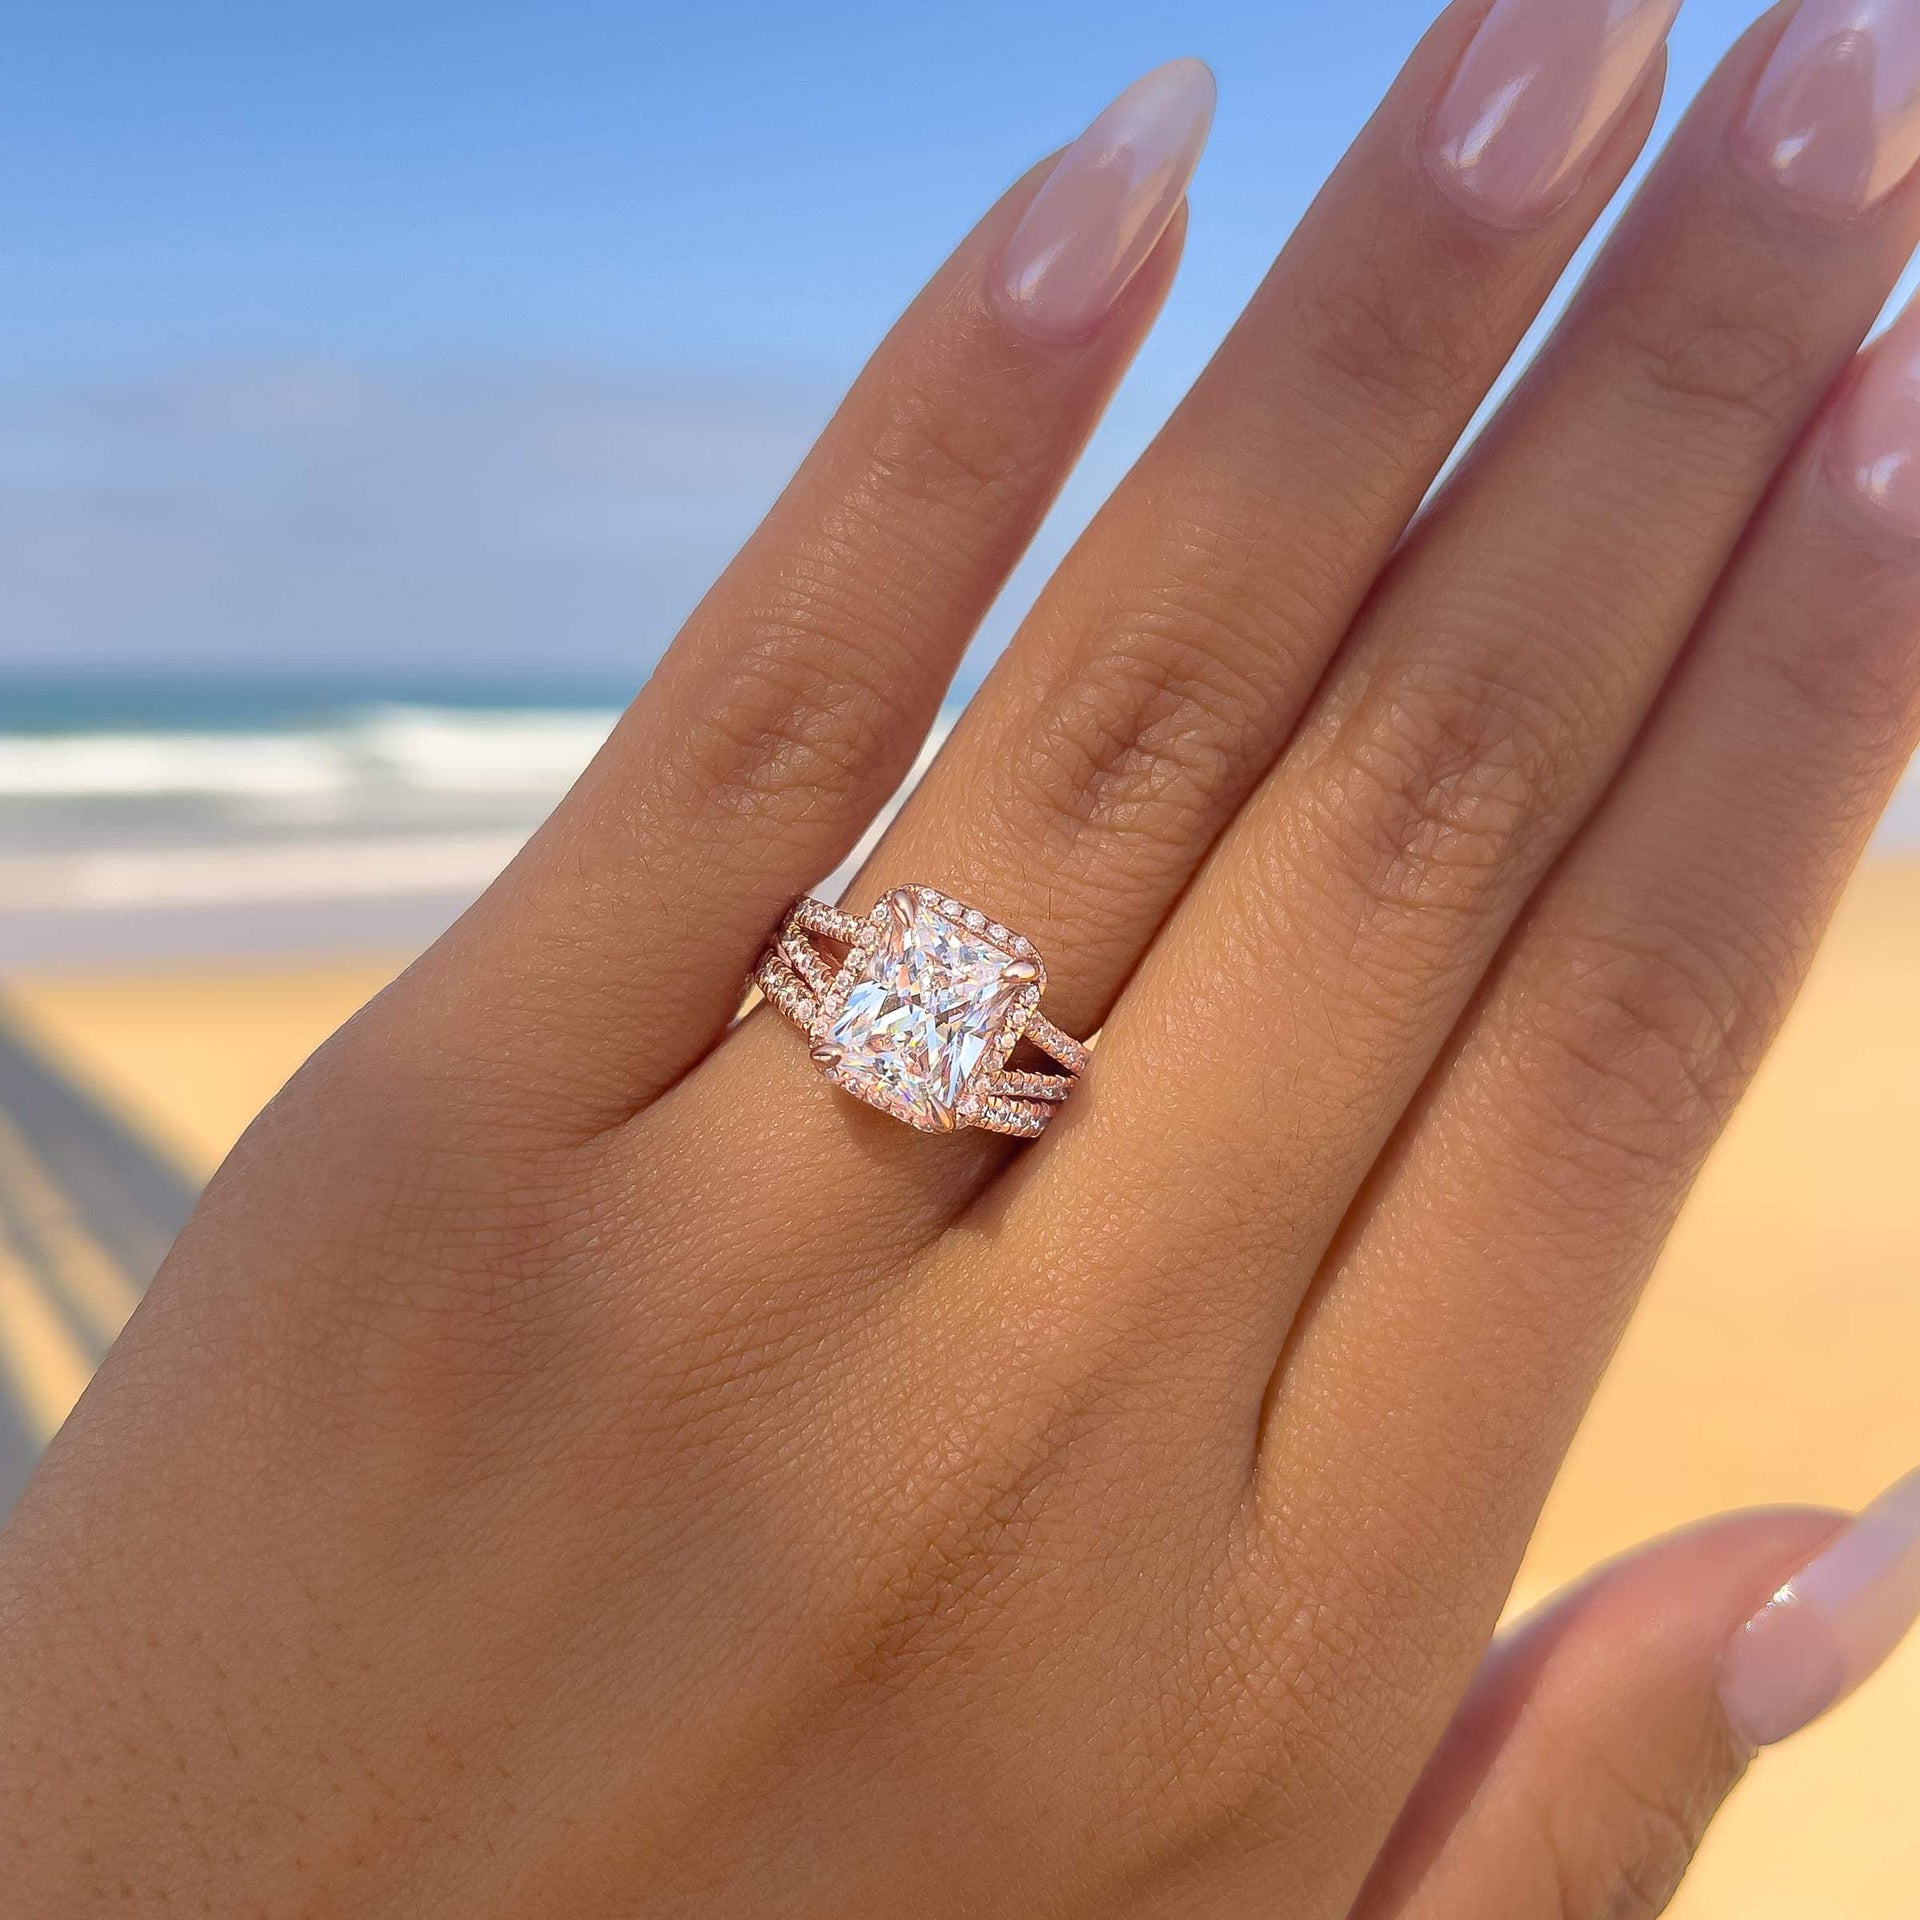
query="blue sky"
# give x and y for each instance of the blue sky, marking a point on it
(371, 338)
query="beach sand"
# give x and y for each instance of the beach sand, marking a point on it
(1777, 1357)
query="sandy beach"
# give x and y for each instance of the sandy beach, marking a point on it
(1774, 1359)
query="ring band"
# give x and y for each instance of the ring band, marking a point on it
(922, 1014)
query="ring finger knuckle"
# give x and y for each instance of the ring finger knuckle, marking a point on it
(799, 720)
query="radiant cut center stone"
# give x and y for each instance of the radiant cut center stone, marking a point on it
(926, 1003)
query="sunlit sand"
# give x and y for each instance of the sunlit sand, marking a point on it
(1777, 1357)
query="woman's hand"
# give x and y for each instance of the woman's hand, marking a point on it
(579, 1462)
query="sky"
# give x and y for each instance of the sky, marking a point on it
(470, 340)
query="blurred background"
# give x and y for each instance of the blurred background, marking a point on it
(380, 386)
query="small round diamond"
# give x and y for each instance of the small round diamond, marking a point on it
(977, 920)
(996, 931)
(953, 907)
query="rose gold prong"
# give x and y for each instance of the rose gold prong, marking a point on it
(824, 1056)
(1022, 971)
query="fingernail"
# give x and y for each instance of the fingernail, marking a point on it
(1537, 91)
(1103, 208)
(1835, 119)
(1876, 440)
(1830, 1626)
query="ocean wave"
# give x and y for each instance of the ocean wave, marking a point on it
(377, 749)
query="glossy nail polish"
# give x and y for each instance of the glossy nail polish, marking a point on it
(1830, 1626)
(1539, 88)
(1875, 448)
(1834, 124)
(1102, 210)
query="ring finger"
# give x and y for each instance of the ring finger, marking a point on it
(609, 956)
(1167, 662)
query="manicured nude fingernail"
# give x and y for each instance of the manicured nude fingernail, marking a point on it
(1103, 208)
(1537, 91)
(1835, 120)
(1830, 1626)
(1876, 440)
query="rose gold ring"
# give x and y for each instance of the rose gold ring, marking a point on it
(921, 1016)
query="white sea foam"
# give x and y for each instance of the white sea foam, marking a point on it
(122, 843)
(376, 750)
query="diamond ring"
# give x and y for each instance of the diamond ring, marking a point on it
(920, 1017)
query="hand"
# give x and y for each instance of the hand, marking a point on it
(578, 1461)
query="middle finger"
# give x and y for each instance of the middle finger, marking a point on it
(1283, 1024)
(1166, 663)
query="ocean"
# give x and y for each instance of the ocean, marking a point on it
(174, 819)
(178, 819)
(150, 822)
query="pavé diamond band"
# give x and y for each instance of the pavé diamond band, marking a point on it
(921, 1016)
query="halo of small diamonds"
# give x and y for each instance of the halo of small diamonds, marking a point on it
(922, 1014)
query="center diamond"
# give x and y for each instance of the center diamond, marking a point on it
(925, 999)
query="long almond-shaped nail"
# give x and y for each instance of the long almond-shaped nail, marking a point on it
(1875, 446)
(1830, 1626)
(1539, 88)
(1103, 208)
(1834, 124)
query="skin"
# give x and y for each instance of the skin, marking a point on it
(577, 1463)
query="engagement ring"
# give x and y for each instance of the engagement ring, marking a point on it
(923, 1014)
